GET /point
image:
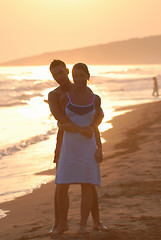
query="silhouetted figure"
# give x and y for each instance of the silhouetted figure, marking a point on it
(155, 87)
(60, 73)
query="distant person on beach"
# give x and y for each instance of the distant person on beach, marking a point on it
(155, 87)
(60, 74)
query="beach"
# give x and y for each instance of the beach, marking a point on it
(130, 195)
(28, 131)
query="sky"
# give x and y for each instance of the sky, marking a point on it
(33, 27)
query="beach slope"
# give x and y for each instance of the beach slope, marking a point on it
(130, 196)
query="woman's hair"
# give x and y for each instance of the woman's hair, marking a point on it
(81, 66)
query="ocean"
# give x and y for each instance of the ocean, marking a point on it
(28, 131)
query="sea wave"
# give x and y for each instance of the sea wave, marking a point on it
(126, 71)
(14, 92)
(101, 80)
(26, 143)
(129, 80)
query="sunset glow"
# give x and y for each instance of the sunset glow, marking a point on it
(33, 27)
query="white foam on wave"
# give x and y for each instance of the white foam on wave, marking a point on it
(3, 213)
(14, 92)
(26, 143)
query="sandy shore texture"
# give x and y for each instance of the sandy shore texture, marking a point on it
(130, 196)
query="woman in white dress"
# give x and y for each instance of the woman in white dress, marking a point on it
(77, 162)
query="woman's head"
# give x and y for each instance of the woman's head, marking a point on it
(80, 74)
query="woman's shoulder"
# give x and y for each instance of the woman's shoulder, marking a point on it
(89, 90)
(97, 100)
(95, 95)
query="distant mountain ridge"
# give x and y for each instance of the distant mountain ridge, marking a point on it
(145, 50)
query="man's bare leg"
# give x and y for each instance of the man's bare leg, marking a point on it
(97, 223)
(56, 214)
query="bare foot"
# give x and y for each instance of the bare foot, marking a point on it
(59, 230)
(100, 227)
(82, 230)
(53, 228)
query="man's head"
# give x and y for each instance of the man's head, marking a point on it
(59, 72)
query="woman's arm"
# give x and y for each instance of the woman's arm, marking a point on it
(97, 120)
(99, 115)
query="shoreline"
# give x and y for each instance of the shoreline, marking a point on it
(130, 193)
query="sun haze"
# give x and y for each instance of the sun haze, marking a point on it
(34, 27)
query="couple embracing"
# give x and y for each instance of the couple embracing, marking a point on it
(78, 150)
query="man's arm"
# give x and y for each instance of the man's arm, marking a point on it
(57, 104)
(54, 105)
(54, 100)
(70, 126)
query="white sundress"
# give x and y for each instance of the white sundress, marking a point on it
(77, 163)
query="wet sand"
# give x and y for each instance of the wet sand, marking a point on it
(130, 196)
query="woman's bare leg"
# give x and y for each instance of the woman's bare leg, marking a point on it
(86, 204)
(63, 206)
(95, 207)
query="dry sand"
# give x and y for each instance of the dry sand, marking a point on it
(130, 196)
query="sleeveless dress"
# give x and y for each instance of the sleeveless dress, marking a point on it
(77, 163)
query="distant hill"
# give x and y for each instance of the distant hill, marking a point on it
(145, 50)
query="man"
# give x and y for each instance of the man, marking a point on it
(155, 87)
(60, 74)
